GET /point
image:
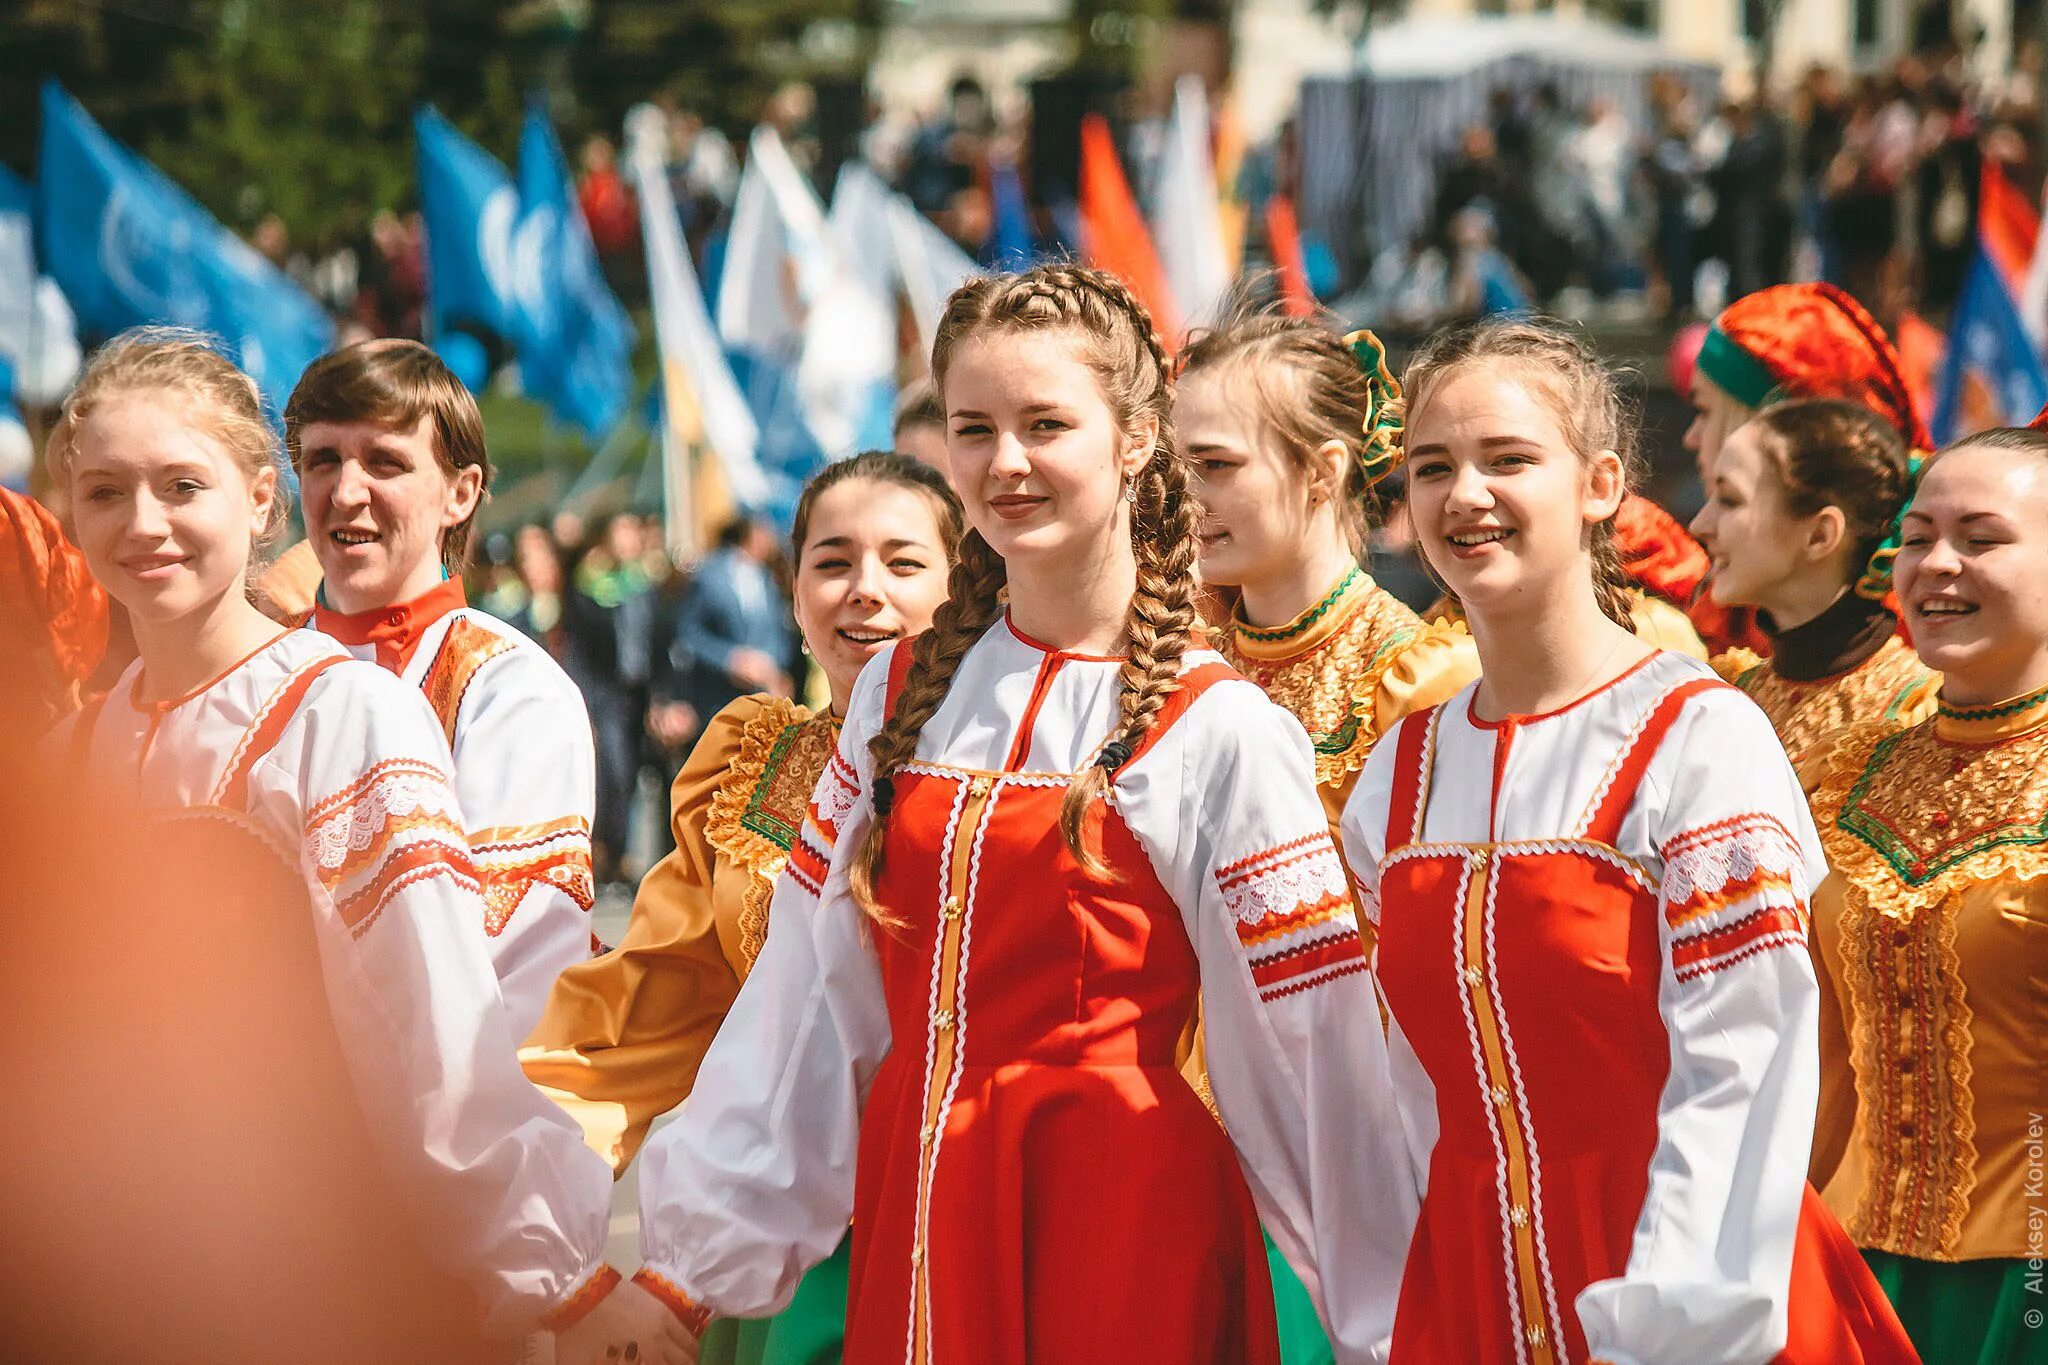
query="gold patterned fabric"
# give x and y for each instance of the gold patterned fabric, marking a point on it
(1657, 623)
(622, 1036)
(1932, 938)
(1891, 689)
(1348, 668)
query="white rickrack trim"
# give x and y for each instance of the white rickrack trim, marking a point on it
(1782, 938)
(248, 734)
(1531, 1156)
(928, 1161)
(1522, 847)
(927, 768)
(355, 826)
(1503, 1198)
(1425, 781)
(287, 850)
(1621, 754)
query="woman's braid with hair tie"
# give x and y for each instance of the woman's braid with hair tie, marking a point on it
(1162, 612)
(1136, 377)
(972, 604)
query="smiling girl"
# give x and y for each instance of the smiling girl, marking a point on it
(1933, 926)
(1806, 340)
(1286, 427)
(623, 1035)
(1800, 522)
(171, 467)
(1051, 826)
(1590, 873)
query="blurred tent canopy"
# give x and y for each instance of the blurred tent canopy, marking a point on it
(1423, 81)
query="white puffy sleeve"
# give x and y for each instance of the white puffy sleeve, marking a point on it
(752, 1184)
(1709, 1272)
(1364, 829)
(1226, 807)
(510, 1198)
(526, 775)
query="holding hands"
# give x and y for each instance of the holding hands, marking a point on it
(630, 1325)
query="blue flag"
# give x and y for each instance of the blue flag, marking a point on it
(1011, 242)
(1991, 375)
(470, 207)
(576, 343)
(129, 247)
(515, 260)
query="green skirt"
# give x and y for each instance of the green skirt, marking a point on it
(1301, 1332)
(1968, 1312)
(811, 1331)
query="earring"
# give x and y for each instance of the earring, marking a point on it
(1131, 487)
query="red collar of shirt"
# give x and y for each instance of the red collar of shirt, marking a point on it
(394, 630)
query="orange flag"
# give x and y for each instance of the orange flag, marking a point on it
(1283, 237)
(1113, 232)
(1920, 349)
(2008, 225)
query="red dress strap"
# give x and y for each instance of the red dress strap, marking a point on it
(264, 735)
(1193, 684)
(1403, 805)
(1604, 825)
(899, 673)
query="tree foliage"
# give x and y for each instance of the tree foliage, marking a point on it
(303, 107)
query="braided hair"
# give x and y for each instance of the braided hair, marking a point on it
(1117, 340)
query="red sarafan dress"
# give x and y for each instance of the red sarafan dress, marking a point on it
(989, 1087)
(1592, 948)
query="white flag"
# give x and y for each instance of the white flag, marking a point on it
(1187, 222)
(2034, 294)
(842, 332)
(38, 334)
(701, 400)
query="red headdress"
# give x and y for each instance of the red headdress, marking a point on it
(52, 613)
(1809, 341)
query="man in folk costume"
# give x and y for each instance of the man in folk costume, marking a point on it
(389, 447)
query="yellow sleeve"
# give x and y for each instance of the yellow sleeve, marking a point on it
(1917, 701)
(1731, 664)
(1432, 670)
(1834, 1122)
(622, 1035)
(1665, 626)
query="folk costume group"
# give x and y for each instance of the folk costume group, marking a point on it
(1159, 944)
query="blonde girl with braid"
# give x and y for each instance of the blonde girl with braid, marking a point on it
(1054, 823)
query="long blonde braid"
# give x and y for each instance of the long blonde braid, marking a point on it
(1131, 364)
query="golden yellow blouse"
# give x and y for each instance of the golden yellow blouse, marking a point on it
(622, 1036)
(1891, 688)
(1932, 939)
(1657, 623)
(1348, 668)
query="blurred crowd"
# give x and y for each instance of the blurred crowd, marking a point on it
(1868, 181)
(655, 647)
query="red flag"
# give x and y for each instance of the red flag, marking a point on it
(1113, 233)
(2008, 226)
(1283, 235)
(1920, 349)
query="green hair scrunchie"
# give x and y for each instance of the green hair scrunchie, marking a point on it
(1379, 452)
(1877, 573)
